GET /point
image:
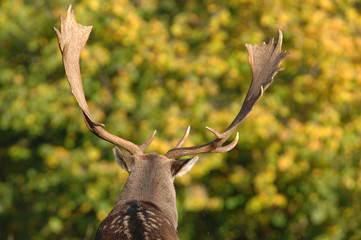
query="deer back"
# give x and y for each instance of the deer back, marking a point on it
(136, 220)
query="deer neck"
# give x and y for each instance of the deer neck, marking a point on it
(160, 192)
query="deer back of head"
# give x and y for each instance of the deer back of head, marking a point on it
(146, 207)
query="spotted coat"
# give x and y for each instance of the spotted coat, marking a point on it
(136, 220)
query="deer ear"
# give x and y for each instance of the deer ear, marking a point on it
(180, 167)
(125, 161)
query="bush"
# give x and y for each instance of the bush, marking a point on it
(295, 173)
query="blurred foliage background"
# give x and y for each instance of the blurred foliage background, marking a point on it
(150, 64)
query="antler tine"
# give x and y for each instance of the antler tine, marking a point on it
(145, 145)
(265, 60)
(72, 39)
(184, 138)
(228, 147)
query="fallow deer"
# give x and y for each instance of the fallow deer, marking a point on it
(146, 207)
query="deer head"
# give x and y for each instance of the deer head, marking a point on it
(146, 207)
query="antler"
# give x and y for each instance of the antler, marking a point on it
(265, 61)
(72, 39)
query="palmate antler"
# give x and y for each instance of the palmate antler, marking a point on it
(71, 40)
(264, 60)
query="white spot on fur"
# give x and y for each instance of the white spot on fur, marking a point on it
(125, 223)
(153, 220)
(126, 232)
(115, 219)
(153, 225)
(141, 216)
(151, 213)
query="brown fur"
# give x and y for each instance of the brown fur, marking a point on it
(146, 207)
(136, 220)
